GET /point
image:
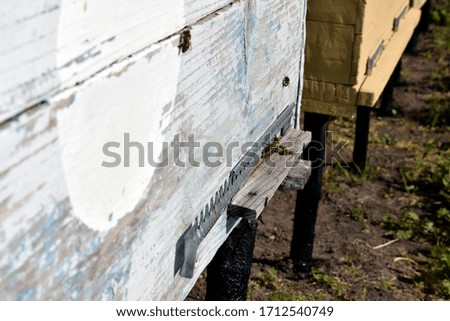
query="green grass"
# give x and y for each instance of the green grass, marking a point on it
(357, 214)
(278, 291)
(438, 114)
(440, 13)
(427, 181)
(337, 287)
(360, 176)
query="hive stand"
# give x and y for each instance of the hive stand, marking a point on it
(308, 199)
(229, 271)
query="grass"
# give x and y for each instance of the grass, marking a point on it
(425, 218)
(337, 287)
(385, 139)
(278, 291)
(357, 214)
(361, 176)
(331, 288)
(426, 179)
(438, 113)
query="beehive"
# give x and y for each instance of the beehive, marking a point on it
(352, 49)
(75, 75)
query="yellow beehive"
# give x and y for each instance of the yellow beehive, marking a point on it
(352, 49)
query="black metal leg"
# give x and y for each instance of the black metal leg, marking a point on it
(387, 97)
(361, 136)
(425, 20)
(308, 199)
(412, 45)
(229, 272)
(424, 26)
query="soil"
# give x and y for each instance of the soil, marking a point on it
(354, 258)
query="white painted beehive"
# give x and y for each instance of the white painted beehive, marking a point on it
(77, 74)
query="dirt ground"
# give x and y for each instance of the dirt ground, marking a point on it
(362, 251)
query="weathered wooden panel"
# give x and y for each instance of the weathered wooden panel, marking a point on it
(297, 176)
(270, 174)
(72, 229)
(48, 45)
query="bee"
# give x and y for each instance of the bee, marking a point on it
(185, 41)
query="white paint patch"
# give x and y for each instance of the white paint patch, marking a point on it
(49, 45)
(103, 113)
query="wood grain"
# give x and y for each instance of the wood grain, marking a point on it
(298, 176)
(49, 45)
(268, 177)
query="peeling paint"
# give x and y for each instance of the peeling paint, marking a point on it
(75, 232)
(96, 192)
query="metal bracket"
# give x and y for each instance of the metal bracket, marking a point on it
(242, 212)
(218, 204)
(399, 18)
(374, 57)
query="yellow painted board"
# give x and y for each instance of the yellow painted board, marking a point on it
(325, 108)
(374, 85)
(418, 3)
(330, 92)
(329, 51)
(334, 11)
(342, 35)
(378, 27)
(329, 99)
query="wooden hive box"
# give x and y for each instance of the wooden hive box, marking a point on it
(75, 75)
(352, 49)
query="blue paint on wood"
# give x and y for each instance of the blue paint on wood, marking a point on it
(28, 294)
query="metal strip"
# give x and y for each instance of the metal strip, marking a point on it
(373, 59)
(399, 18)
(219, 202)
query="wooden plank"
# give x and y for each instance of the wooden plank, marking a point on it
(72, 229)
(329, 99)
(270, 174)
(298, 176)
(378, 26)
(374, 85)
(341, 12)
(418, 3)
(330, 92)
(327, 108)
(48, 45)
(329, 52)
